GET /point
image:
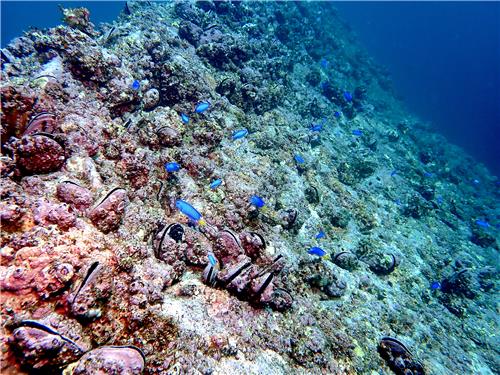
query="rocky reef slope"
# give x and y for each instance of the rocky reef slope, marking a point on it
(113, 141)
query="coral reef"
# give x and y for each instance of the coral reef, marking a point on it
(100, 270)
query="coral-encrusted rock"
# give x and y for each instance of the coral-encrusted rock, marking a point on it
(151, 98)
(169, 136)
(43, 269)
(107, 214)
(11, 216)
(124, 360)
(38, 153)
(40, 345)
(78, 18)
(52, 213)
(75, 195)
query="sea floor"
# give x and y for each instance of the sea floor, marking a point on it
(345, 235)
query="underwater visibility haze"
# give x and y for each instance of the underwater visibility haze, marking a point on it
(250, 188)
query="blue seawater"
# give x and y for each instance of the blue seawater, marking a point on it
(444, 60)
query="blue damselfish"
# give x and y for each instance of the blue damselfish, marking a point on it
(347, 96)
(316, 251)
(215, 184)
(172, 167)
(482, 223)
(184, 118)
(189, 211)
(299, 159)
(136, 85)
(257, 201)
(435, 285)
(320, 235)
(357, 132)
(240, 134)
(202, 107)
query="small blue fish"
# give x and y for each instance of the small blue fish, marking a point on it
(316, 127)
(202, 107)
(257, 201)
(336, 114)
(320, 235)
(439, 199)
(211, 259)
(482, 223)
(316, 251)
(435, 285)
(299, 159)
(240, 134)
(324, 63)
(215, 184)
(191, 212)
(394, 172)
(476, 181)
(398, 202)
(428, 174)
(136, 85)
(347, 96)
(357, 132)
(184, 118)
(172, 167)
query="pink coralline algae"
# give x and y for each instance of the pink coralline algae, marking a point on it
(125, 360)
(53, 213)
(35, 269)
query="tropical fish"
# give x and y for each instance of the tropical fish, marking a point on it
(136, 85)
(215, 184)
(324, 63)
(202, 107)
(439, 199)
(184, 118)
(189, 211)
(476, 181)
(435, 285)
(428, 174)
(316, 127)
(320, 235)
(172, 167)
(299, 159)
(240, 134)
(211, 259)
(347, 96)
(257, 201)
(317, 251)
(394, 172)
(482, 223)
(357, 132)
(336, 114)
